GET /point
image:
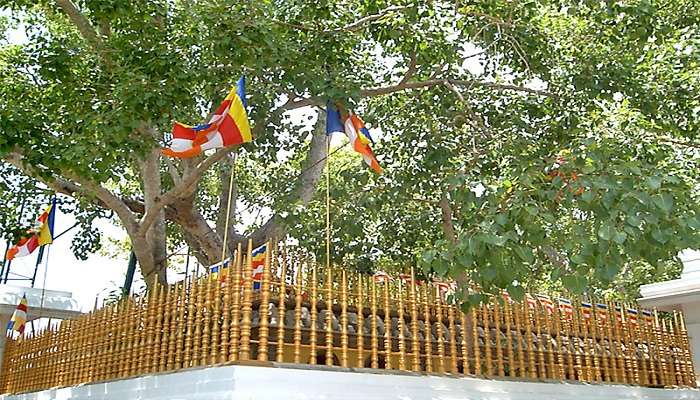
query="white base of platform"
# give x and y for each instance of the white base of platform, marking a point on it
(284, 382)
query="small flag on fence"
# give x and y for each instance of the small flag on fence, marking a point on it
(531, 302)
(36, 237)
(258, 266)
(407, 279)
(586, 310)
(566, 308)
(618, 314)
(227, 127)
(381, 277)
(19, 317)
(546, 302)
(648, 316)
(220, 270)
(632, 316)
(601, 312)
(445, 288)
(506, 296)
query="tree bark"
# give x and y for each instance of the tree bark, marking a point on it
(154, 266)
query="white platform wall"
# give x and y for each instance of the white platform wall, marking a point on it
(282, 383)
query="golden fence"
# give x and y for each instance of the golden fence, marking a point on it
(304, 314)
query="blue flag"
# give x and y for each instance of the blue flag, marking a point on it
(333, 122)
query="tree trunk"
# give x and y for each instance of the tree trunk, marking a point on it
(155, 237)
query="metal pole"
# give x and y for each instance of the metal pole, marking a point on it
(187, 262)
(129, 274)
(39, 256)
(4, 256)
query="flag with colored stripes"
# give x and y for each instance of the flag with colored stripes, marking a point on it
(357, 132)
(220, 270)
(19, 317)
(546, 302)
(36, 237)
(648, 316)
(566, 308)
(586, 310)
(531, 302)
(381, 277)
(445, 288)
(632, 316)
(601, 312)
(228, 126)
(257, 264)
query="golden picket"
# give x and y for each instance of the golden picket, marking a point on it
(207, 320)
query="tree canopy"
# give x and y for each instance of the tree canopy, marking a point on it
(524, 143)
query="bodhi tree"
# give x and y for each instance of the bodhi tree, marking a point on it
(520, 140)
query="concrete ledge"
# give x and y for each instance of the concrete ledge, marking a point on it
(282, 381)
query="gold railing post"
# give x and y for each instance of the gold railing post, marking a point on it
(247, 308)
(236, 302)
(264, 308)
(297, 314)
(178, 346)
(313, 335)
(453, 338)
(557, 316)
(415, 340)
(584, 323)
(610, 321)
(206, 319)
(548, 316)
(198, 338)
(499, 346)
(374, 340)
(528, 332)
(329, 316)
(214, 316)
(344, 319)
(189, 336)
(439, 332)
(522, 371)
(360, 322)
(509, 336)
(282, 306)
(164, 326)
(686, 352)
(428, 331)
(540, 346)
(387, 328)
(400, 326)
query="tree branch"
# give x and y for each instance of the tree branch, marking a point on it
(80, 21)
(359, 24)
(76, 184)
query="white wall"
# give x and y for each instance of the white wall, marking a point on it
(282, 383)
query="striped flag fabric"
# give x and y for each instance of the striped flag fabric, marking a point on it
(632, 316)
(258, 266)
(228, 126)
(586, 310)
(36, 237)
(381, 277)
(19, 317)
(531, 302)
(566, 308)
(546, 302)
(356, 131)
(648, 316)
(601, 312)
(220, 270)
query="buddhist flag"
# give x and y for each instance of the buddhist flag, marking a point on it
(19, 317)
(381, 277)
(356, 131)
(37, 236)
(258, 266)
(360, 139)
(228, 126)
